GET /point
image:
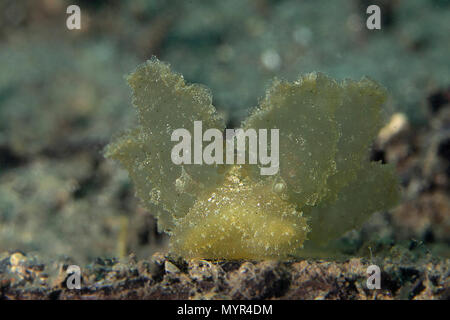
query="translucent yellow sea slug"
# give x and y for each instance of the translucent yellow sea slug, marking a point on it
(325, 185)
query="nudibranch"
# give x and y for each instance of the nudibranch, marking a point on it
(326, 184)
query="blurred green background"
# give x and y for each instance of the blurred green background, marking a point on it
(63, 96)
